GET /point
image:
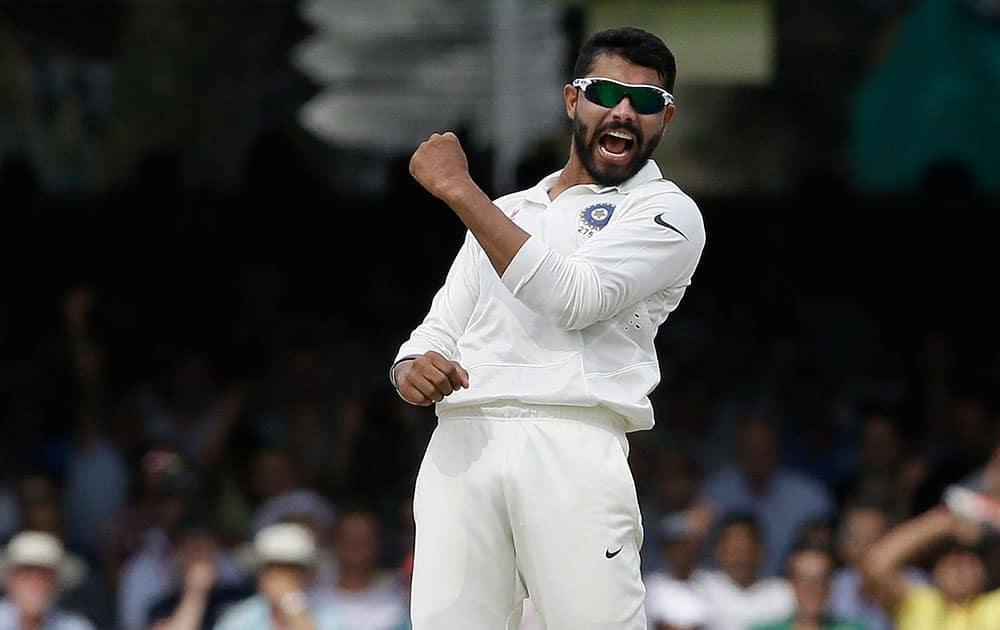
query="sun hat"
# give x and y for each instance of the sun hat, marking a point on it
(42, 550)
(282, 543)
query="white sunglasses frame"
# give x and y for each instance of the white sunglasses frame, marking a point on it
(584, 83)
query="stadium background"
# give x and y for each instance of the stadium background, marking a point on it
(206, 214)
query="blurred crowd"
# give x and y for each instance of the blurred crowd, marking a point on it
(282, 499)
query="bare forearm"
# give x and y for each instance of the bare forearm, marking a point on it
(883, 569)
(903, 543)
(301, 622)
(499, 237)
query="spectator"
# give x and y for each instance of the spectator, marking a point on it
(41, 507)
(276, 482)
(154, 573)
(671, 601)
(202, 596)
(964, 444)
(300, 416)
(861, 525)
(810, 572)
(96, 477)
(10, 510)
(676, 487)
(193, 417)
(166, 490)
(35, 567)
(780, 500)
(737, 596)
(887, 474)
(365, 597)
(957, 598)
(285, 554)
(817, 443)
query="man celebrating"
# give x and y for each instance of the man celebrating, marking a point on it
(538, 351)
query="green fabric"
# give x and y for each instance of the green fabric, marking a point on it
(833, 624)
(934, 98)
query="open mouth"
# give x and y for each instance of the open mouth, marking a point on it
(616, 145)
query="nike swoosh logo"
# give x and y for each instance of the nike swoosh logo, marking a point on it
(659, 219)
(611, 554)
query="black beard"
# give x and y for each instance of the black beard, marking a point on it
(611, 175)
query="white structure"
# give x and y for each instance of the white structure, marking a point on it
(396, 71)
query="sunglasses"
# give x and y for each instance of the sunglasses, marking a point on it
(645, 99)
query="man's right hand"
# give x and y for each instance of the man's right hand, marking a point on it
(428, 378)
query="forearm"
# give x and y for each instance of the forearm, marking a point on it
(883, 569)
(499, 237)
(301, 621)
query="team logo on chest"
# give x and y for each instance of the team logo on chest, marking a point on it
(594, 218)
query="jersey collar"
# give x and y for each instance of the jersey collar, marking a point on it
(648, 173)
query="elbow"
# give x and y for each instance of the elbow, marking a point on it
(568, 295)
(569, 316)
(875, 570)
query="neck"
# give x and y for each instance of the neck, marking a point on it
(355, 578)
(572, 174)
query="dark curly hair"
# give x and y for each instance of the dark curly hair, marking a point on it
(638, 46)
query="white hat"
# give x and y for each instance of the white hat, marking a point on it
(284, 543)
(39, 549)
(290, 505)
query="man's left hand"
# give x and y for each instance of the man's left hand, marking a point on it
(440, 166)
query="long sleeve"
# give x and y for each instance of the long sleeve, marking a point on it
(451, 307)
(654, 246)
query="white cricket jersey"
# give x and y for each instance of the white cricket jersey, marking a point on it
(573, 318)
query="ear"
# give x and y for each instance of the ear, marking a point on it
(571, 95)
(668, 115)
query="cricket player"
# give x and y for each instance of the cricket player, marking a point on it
(538, 351)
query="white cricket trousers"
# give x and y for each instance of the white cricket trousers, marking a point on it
(520, 500)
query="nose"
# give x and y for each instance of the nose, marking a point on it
(623, 110)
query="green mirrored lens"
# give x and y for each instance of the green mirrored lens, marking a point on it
(605, 94)
(644, 100)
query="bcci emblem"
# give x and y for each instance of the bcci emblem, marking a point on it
(594, 218)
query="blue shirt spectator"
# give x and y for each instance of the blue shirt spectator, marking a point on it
(782, 501)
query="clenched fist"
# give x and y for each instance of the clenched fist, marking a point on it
(440, 166)
(428, 378)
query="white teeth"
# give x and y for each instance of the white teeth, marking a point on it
(621, 134)
(612, 156)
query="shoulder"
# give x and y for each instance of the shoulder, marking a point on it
(725, 480)
(709, 580)
(919, 602)
(989, 600)
(139, 569)
(509, 202)
(325, 616)
(666, 196)
(774, 587)
(63, 620)
(793, 482)
(242, 614)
